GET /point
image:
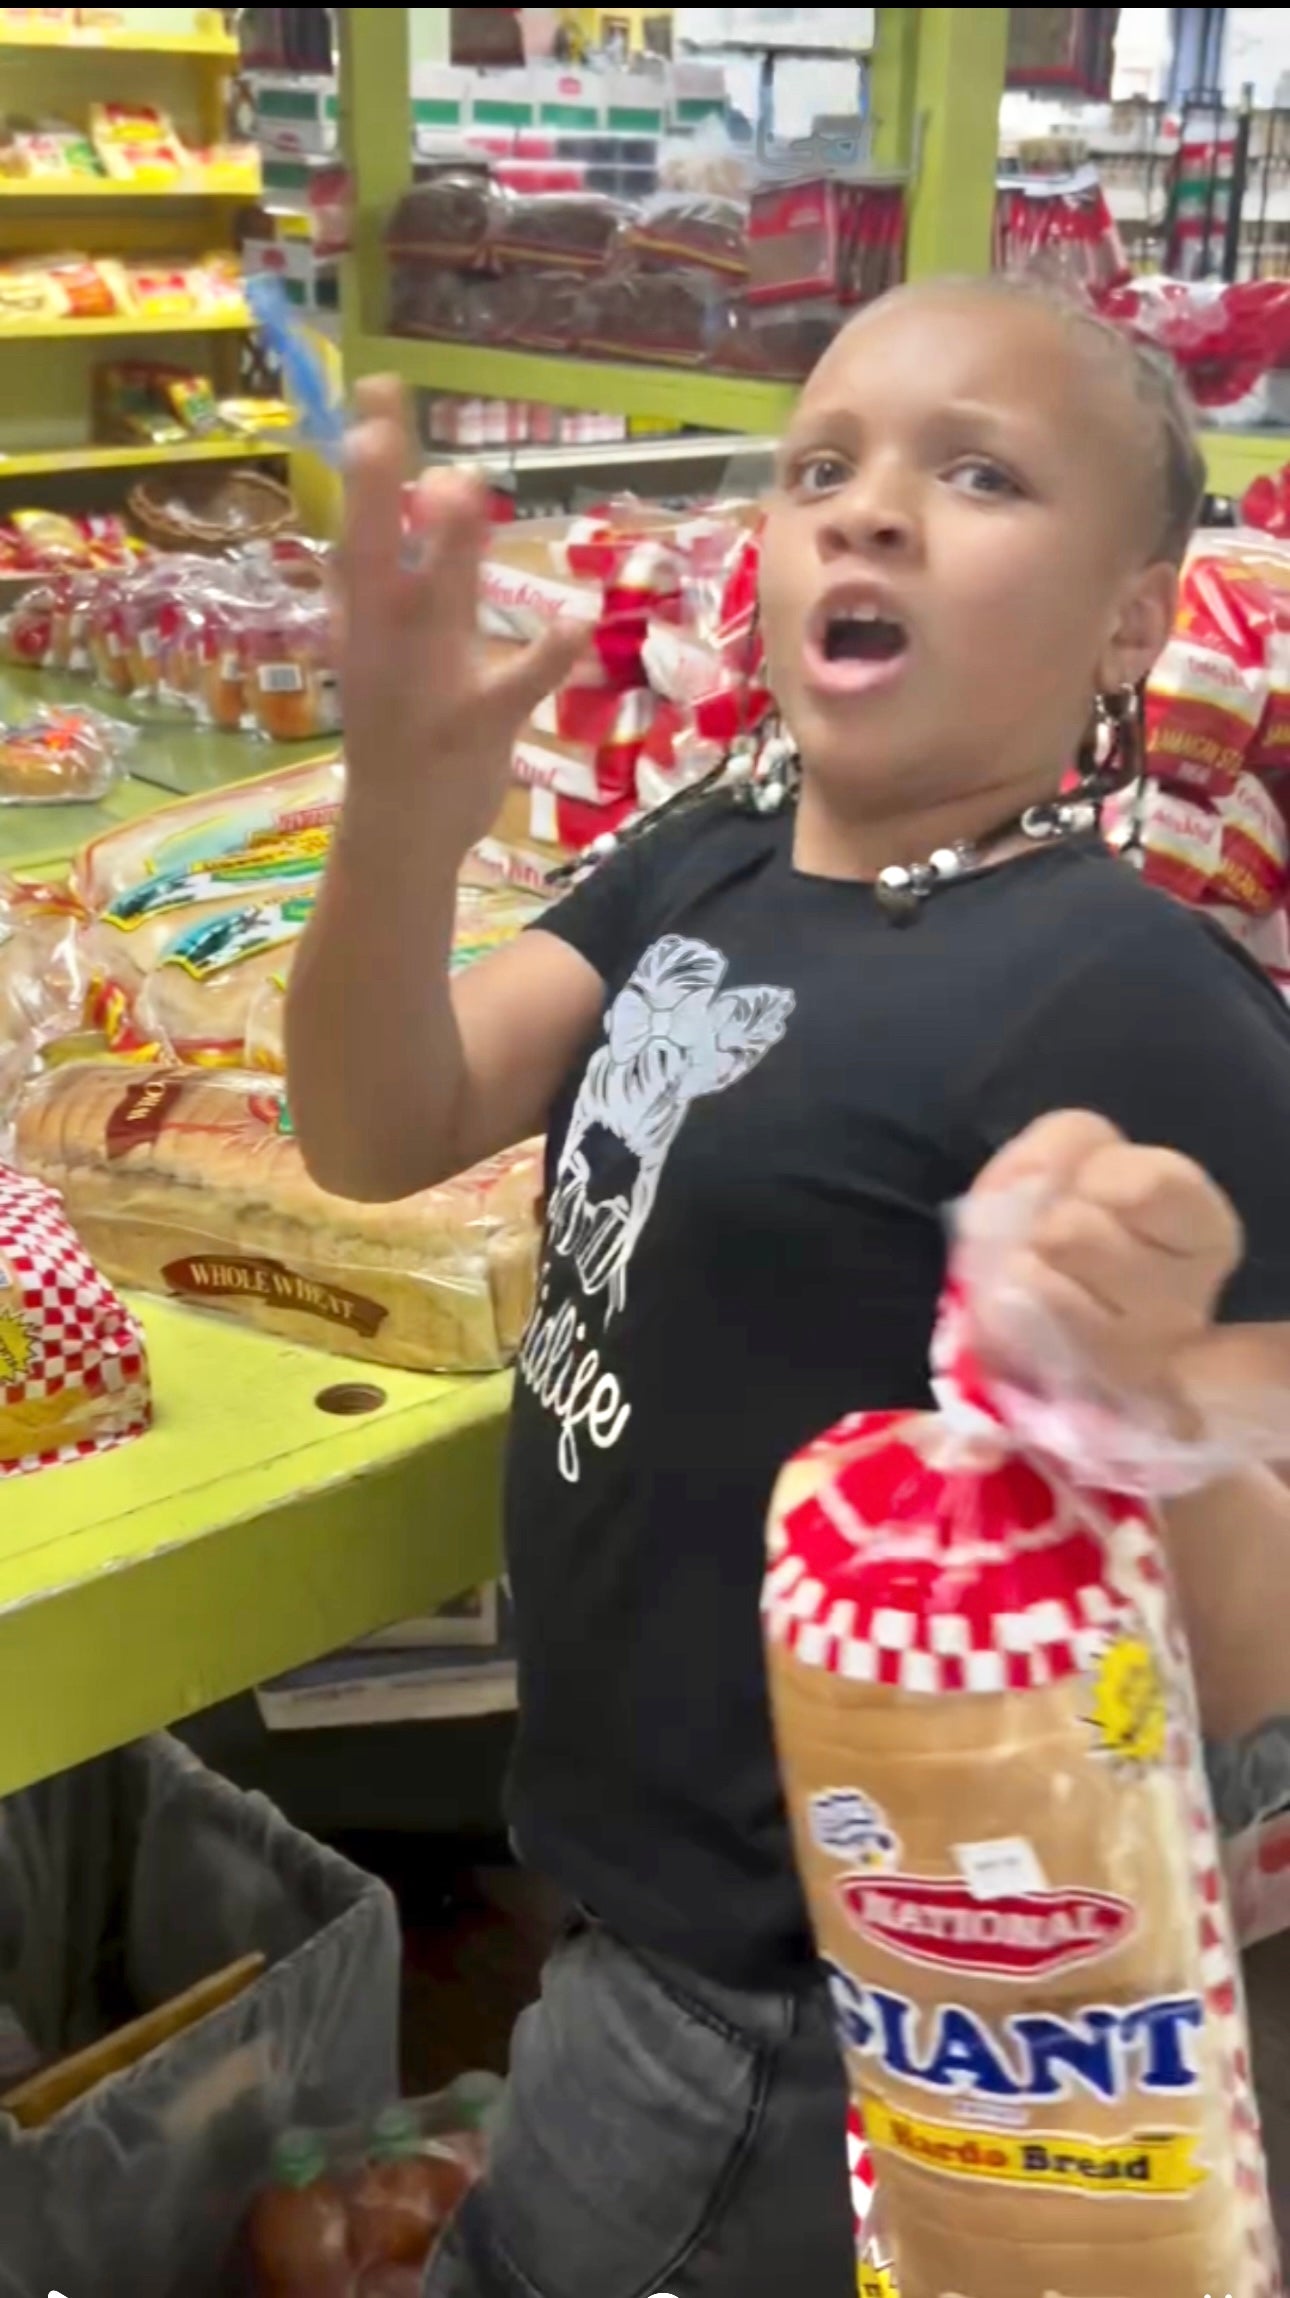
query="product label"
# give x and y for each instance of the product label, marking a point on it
(1130, 1710)
(1005, 1869)
(281, 678)
(877, 2282)
(300, 856)
(1104, 2052)
(1145, 2164)
(848, 1825)
(938, 1921)
(207, 1277)
(141, 1115)
(237, 935)
(15, 1338)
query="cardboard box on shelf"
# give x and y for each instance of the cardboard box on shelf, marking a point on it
(295, 114)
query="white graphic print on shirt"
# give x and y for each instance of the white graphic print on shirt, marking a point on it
(672, 1036)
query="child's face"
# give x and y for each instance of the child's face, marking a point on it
(953, 560)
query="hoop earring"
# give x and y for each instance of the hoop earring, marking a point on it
(1111, 755)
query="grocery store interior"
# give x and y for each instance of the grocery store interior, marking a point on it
(263, 1935)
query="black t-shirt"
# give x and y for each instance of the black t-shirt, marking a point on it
(747, 1188)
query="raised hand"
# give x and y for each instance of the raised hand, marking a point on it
(429, 728)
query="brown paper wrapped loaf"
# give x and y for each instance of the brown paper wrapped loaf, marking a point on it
(992, 1776)
(193, 1185)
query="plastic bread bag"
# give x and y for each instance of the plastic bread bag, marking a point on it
(216, 995)
(291, 688)
(290, 811)
(190, 1183)
(990, 1748)
(62, 756)
(1207, 693)
(41, 976)
(73, 1371)
(197, 1000)
(358, 2213)
(199, 925)
(1228, 854)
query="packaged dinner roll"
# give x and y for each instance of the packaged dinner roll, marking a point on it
(191, 1183)
(73, 1371)
(989, 1743)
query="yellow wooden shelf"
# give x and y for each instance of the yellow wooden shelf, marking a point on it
(246, 1533)
(1234, 458)
(220, 47)
(45, 461)
(233, 322)
(246, 185)
(721, 402)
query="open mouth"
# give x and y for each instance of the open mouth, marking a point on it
(853, 647)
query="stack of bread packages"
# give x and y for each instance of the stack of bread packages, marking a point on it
(989, 1742)
(670, 671)
(141, 1060)
(1212, 824)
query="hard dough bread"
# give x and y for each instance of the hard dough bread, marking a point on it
(192, 1184)
(990, 1761)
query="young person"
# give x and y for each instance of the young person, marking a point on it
(761, 1091)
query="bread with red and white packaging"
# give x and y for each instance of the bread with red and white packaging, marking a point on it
(1207, 694)
(600, 767)
(1230, 852)
(73, 1367)
(990, 1747)
(191, 1184)
(524, 588)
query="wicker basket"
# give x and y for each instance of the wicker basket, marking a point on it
(211, 514)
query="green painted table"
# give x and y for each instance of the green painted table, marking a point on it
(251, 1529)
(170, 758)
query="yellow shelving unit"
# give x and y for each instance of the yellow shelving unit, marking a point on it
(935, 82)
(234, 322)
(936, 75)
(681, 394)
(94, 40)
(45, 462)
(47, 366)
(77, 189)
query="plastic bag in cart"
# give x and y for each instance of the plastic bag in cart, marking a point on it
(358, 2213)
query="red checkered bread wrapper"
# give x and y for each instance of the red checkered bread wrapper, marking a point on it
(989, 1743)
(73, 1373)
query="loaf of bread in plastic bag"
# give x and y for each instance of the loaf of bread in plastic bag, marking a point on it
(192, 1184)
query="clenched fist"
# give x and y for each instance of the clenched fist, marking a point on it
(1123, 1260)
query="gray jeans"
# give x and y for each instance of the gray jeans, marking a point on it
(662, 2137)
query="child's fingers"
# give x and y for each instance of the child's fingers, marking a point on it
(445, 523)
(375, 470)
(1054, 1149)
(1167, 1202)
(514, 692)
(1127, 1276)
